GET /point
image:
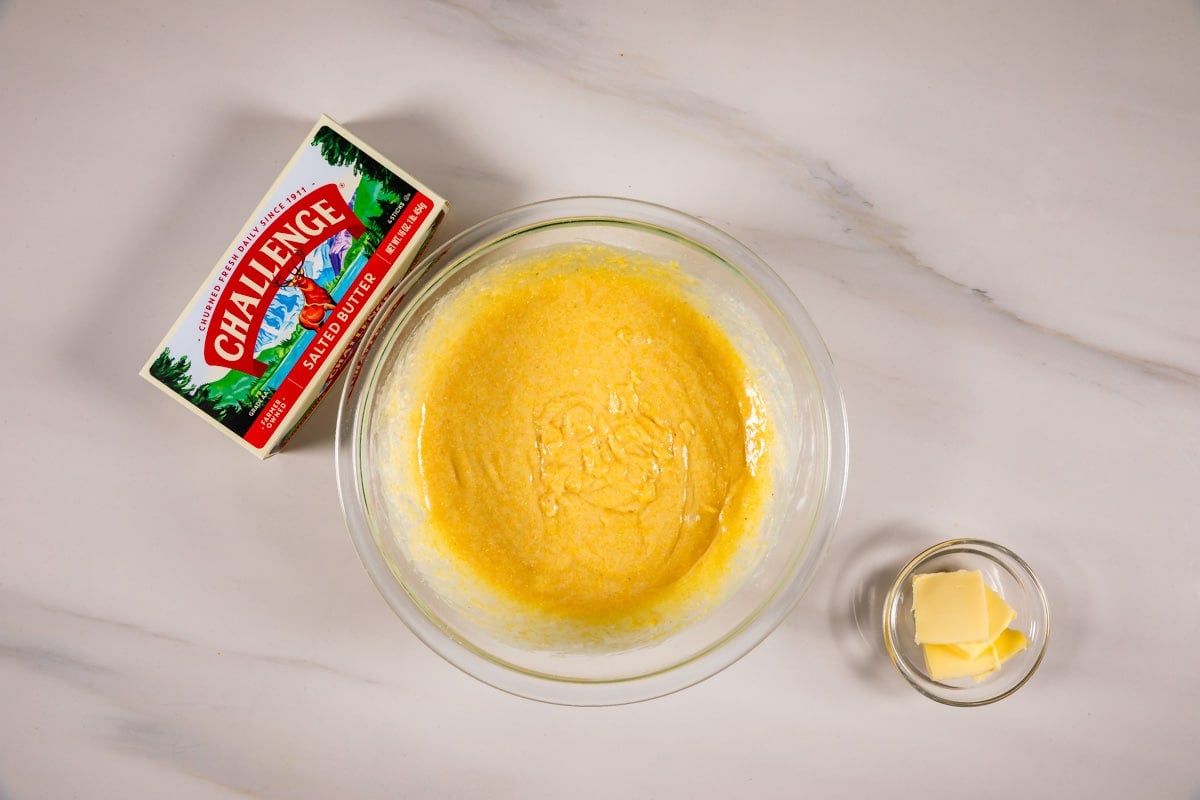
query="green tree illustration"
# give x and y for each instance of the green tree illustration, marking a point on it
(389, 209)
(394, 193)
(341, 153)
(207, 400)
(174, 373)
(236, 415)
(241, 415)
(378, 226)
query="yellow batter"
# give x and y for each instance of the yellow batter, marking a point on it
(589, 442)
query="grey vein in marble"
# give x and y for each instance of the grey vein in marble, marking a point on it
(731, 125)
(60, 664)
(54, 663)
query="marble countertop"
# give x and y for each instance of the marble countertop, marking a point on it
(989, 209)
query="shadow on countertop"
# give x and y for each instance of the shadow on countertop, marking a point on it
(864, 566)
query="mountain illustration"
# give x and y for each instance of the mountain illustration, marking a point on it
(338, 246)
(323, 265)
(280, 319)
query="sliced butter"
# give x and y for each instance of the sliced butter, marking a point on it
(1007, 644)
(962, 625)
(945, 663)
(950, 607)
(999, 615)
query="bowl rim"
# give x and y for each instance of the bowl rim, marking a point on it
(979, 547)
(720, 654)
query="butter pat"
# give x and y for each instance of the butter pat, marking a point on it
(962, 625)
(999, 614)
(1007, 644)
(944, 663)
(950, 607)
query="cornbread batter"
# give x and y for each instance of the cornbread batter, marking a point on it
(586, 435)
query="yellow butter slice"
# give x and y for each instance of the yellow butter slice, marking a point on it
(944, 663)
(950, 607)
(1009, 643)
(1000, 614)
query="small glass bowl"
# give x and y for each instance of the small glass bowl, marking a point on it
(1008, 575)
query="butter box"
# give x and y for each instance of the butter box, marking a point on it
(270, 330)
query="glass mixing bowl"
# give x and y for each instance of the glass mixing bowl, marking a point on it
(754, 306)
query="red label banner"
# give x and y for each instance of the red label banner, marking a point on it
(353, 308)
(264, 268)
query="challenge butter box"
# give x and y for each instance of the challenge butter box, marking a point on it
(276, 321)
